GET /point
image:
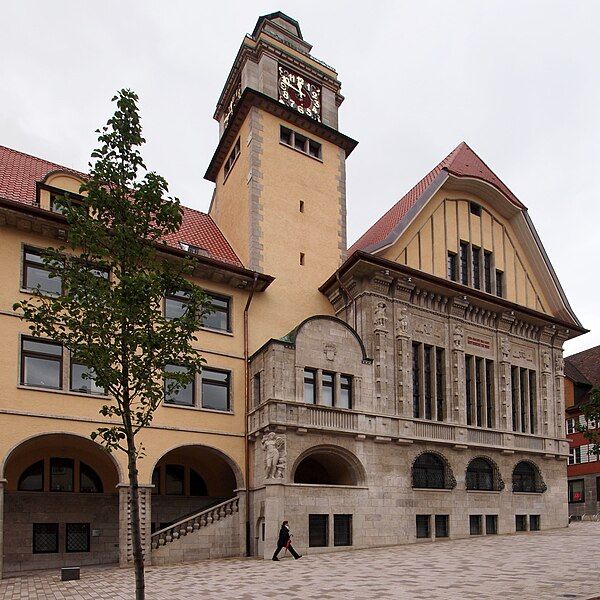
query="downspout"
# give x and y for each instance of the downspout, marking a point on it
(247, 412)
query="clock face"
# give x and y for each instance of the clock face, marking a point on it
(299, 93)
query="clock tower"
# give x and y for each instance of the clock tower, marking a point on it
(279, 172)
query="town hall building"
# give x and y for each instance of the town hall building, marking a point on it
(408, 388)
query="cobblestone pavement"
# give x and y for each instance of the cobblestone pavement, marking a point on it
(548, 565)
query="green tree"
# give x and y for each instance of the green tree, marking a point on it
(591, 411)
(114, 278)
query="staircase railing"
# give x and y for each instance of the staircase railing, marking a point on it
(194, 522)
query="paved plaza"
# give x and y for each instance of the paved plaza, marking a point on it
(556, 564)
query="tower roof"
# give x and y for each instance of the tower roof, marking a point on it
(283, 20)
(461, 162)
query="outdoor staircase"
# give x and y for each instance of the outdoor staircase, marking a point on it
(211, 533)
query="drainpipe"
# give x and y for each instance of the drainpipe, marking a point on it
(247, 412)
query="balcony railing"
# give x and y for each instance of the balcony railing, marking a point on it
(297, 415)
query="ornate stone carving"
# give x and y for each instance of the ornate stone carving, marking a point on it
(403, 323)
(380, 320)
(330, 351)
(505, 348)
(458, 337)
(275, 455)
(546, 361)
(559, 364)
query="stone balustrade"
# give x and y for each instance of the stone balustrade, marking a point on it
(305, 417)
(194, 522)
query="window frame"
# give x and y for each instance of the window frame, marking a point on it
(346, 385)
(37, 265)
(420, 521)
(88, 538)
(442, 519)
(570, 483)
(313, 372)
(56, 533)
(325, 519)
(24, 471)
(478, 521)
(50, 478)
(227, 384)
(452, 266)
(305, 147)
(40, 355)
(231, 159)
(73, 363)
(168, 402)
(493, 520)
(178, 296)
(228, 300)
(344, 520)
(328, 383)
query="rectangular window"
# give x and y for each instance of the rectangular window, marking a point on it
(174, 480)
(534, 522)
(475, 524)
(475, 209)
(71, 198)
(439, 383)
(423, 526)
(441, 526)
(310, 390)
(215, 389)
(342, 530)
(597, 489)
(345, 391)
(464, 263)
(219, 316)
(524, 397)
(487, 271)
(62, 474)
(41, 363)
(176, 305)
(327, 381)
(427, 380)
(532, 402)
(77, 537)
(570, 426)
(479, 392)
(452, 267)
(300, 142)
(45, 538)
(499, 283)
(476, 255)
(521, 522)
(318, 531)
(185, 395)
(489, 392)
(256, 389)
(83, 380)
(491, 524)
(514, 376)
(36, 275)
(416, 381)
(469, 366)
(232, 158)
(576, 490)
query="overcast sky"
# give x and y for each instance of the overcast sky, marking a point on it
(518, 80)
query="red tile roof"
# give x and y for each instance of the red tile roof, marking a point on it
(461, 162)
(19, 173)
(587, 363)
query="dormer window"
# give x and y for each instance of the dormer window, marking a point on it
(57, 201)
(194, 249)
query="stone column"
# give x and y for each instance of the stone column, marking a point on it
(457, 406)
(2, 486)
(380, 331)
(125, 540)
(274, 514)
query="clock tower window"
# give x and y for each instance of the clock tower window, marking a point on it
(300, 142)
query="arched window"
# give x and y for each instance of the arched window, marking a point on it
(480, 475)
(89, 481)
(527, 479)
(32, 478)
(428, 472)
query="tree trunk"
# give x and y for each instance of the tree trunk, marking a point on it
(134, 508)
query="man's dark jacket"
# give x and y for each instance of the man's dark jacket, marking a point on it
(284, 536)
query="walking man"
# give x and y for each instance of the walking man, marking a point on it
(285, 541)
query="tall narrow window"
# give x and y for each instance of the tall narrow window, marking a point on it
(185, 395)
(469, 361)
(476, 255)
(441, 526)
(479, 391)
(416, 381)
(532, 402)
(524, 399)
(487, 271)
(342, 530)
(489, 392)
(499, 283)
(345, 400)
(318, 534)
(514, 376)
(219, 316)
(256, 389)
(61, 474)
(327, 381)
(427, 378)
(215, 389)
(235, 152)
(423, 526)
(439, 383)
(464, 263)
(310, 392)
(452, 267)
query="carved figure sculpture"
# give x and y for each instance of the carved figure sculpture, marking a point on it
(275, 460)
(505, 347)
(402, 327)
(380, 315)
(546, 361)
(559, 364)
(458, 336)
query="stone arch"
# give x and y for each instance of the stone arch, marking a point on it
(448, 481)
(30, 445)
(497, 483)
(328, 465)
(527, 477)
